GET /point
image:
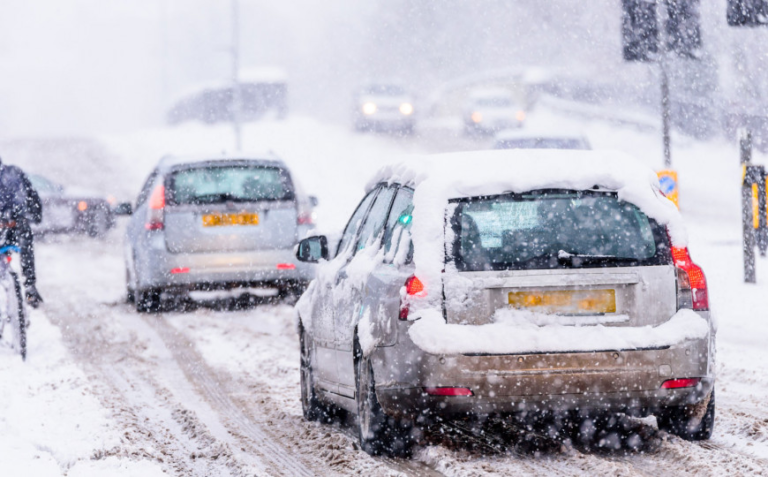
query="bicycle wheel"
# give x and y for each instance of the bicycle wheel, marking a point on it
(18, 318)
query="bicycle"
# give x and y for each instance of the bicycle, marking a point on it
(12, 304)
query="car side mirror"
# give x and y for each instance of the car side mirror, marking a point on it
(313, 200)
(312, 249)
(123, 208)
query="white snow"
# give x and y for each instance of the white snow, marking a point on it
(514, 336)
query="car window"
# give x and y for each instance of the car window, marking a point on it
(219, 184)
(377, 217)
(146, 189)
(398, 222)
(350, 232)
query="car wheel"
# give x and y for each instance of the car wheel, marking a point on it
(130, 293)
(148, 301)
(378, 432)
(99, 224)
(693, 422)
(310, 404)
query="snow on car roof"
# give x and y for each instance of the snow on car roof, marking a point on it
(174, 160)
(511, 134)
(439, 178)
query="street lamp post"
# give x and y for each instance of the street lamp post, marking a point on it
(236, 100)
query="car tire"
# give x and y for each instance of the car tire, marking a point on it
(692, 422)
(312, 408)
(378, 433)
(98, 226)
(148, 301)
(130, 294)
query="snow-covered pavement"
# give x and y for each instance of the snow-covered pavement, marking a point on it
(109, 392)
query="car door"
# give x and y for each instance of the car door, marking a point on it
(350, 286)
(323, 311)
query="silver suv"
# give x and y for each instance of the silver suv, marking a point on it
(215, 223)
(559, 300)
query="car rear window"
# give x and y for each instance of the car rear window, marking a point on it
(554, 229)
(217, 184)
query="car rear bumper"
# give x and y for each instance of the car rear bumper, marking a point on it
(207, 271)
(617, 381)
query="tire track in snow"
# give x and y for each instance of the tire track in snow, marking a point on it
(198, 372)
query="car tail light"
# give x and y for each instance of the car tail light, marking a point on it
(176, 271)
(156, 210)
(305, 218)
(82, 206)
(691, 282)
(286, 266)
(413, 287)
(447, 391)
(681, 383)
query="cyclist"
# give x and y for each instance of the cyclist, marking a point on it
(20, 202)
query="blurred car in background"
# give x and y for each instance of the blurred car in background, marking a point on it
(512, 139)
(71, 210)
(384, 107)
(489, 110)
(216, 224)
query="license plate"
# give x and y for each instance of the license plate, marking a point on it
(570, 302)
(218, 220)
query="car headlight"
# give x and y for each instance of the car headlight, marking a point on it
(520, 115)
(477, 117)
(406, 109)
(369, 108)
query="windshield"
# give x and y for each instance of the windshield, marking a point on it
(541, 143)
(493, 102)
(385, 90)
(209, 185)
(554, 229)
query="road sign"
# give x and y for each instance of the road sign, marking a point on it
(669, 186)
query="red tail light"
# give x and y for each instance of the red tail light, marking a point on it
(286, 266)
(691, 280)
(156, 211)
(680, 383)
(176, 271)
(413, 287)
(305, 218)
(449, 391)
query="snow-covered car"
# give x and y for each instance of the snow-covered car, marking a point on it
(508, 283)
(71, 210)
(384, 107)
(515, 139)
(213, 223)
(490, 110)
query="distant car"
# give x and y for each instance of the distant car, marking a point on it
(490, 110)
(71, 210)
(517, 284)
(216, 223)
(525, 140)
(384, 107)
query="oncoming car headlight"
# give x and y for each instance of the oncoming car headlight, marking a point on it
(406, 109)
(477, 117)
(369, 108)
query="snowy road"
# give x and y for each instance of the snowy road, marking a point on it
(209, 392)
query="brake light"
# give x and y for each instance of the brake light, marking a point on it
(413, 287)
(176, 271)
(305, 218)
(449, 391)
(680, 383)
(82, 206)
(286, 266)
(691, 282)
(156, 210)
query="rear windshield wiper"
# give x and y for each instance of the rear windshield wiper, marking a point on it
(568, 257)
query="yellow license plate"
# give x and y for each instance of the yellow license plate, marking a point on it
(571, 302)
(218, 220)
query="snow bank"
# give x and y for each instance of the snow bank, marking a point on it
(433, 335)
(438, 178)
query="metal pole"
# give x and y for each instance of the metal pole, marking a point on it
(236, 102)
(663, 18)
(747, 220)
(762, 231)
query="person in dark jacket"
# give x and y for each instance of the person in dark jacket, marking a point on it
(20, 203)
